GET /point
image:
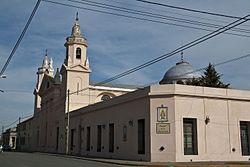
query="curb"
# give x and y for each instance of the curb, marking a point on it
(153, 164)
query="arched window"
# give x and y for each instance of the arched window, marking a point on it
(105, 97)
(78, 53)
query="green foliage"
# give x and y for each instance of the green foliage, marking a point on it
(194, 81)
(210, 78)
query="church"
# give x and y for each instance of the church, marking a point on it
(166, 122)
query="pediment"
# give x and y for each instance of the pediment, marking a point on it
(79, 67)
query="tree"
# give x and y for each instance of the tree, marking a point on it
(210, 78)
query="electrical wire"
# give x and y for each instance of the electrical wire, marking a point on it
(7, 126)
(17, 91)
(175, 13)
(180, 49)
(160, 58)
(19, 119)
(193, 43)
(217, 64)
(204, 68)
(140, 18)
(20, 38)
(153, 15)
(190, 10)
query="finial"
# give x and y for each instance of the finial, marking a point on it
(77, 16)
(57, 76)
(181, 55)
(46, 52)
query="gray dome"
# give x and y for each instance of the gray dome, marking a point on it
(180, 72)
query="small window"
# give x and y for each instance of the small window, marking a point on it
(105, 97)
(78, 53)
(47, 84)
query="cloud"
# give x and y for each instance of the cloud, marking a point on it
(116, 44)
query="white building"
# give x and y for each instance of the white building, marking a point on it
(159, 123)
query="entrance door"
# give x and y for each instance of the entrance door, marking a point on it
(57, 138)
(81, 137)
(141, 136)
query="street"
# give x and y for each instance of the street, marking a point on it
(14, 159)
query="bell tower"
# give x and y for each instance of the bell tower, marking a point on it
(76, 46)
(45, 69)
(75, 70)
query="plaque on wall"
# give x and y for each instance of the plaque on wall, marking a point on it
(162, 128)
(162, 114)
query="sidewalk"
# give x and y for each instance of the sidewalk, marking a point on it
(157, 164)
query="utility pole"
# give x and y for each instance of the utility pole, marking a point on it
(67, 128)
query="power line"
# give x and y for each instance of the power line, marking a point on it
(180, 49)
(19, 119)
(153, 15)
(162, 57)
(138, 18)
(7, 126)
(185, 15)
(189, 45)
(17, 91)
(217, 64)
(20, 38)
(190, 10)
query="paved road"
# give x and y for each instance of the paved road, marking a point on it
(17, 159)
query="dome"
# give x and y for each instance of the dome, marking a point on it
(180, 72)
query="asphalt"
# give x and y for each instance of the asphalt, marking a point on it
(157, 164)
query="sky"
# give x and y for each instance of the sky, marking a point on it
(116, 44)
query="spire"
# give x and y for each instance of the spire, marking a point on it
(182, 56)
(77, 16)
(51, 64)
(76, 31)
(46, 60)
(57, 77)
(51, 69)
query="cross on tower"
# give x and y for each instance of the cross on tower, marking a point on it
(181, 55)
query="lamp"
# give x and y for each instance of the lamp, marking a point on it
(207, 120)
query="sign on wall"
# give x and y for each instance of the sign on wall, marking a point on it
(162, 114)
(162, 128)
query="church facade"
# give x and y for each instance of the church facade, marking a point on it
(159, 123)
(66, 90)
